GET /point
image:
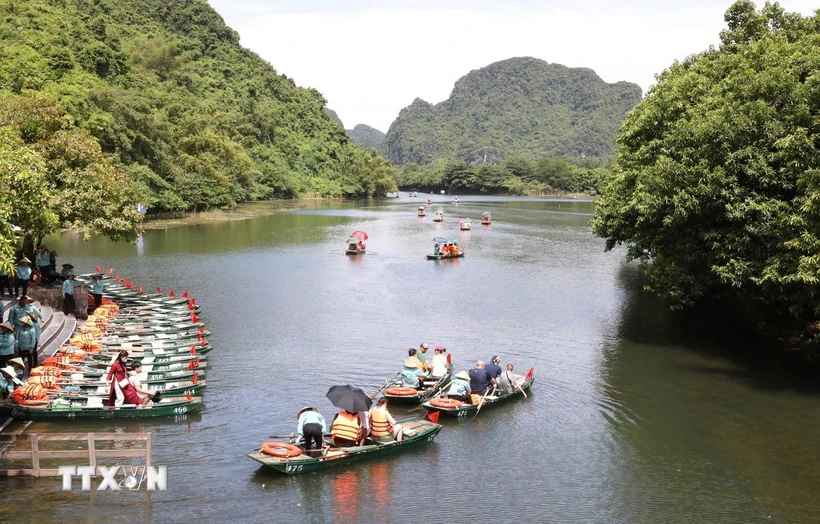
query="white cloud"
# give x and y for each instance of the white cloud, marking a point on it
(372, 61)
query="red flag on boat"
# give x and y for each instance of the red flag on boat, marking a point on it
(194, 318)
(99, 269)
(119, 278)
(190, 306)
(199, 337)
(172, 294)
(433, 417)
(449, 358)
(188, 396)
(195, 379)
(530, 373)
(201, 328)
(193, 301)
(139, 290)
(185, 295)
(111, 271)
(193, 349)
(159, 290)
(204, 342)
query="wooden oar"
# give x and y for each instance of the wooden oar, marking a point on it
(386, 384)
(483, 399)
(442, 388)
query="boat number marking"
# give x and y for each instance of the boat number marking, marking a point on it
(462, 414)
(181, 409)
(430, 438)
(293, 469)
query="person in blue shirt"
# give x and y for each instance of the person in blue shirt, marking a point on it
(5, 282)
(22, 276)
(460, 388)
(26, 342)
(8, 382)
(65, 271)
(493, 368)
(311, 428)
(6, 344)
(480, 379)
(97, 289)
(43, 261)
(18, 311)
(69, 304)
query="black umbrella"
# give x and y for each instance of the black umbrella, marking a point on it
(349, 398)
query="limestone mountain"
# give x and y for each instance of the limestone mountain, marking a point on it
(520, 106)
(368, 137)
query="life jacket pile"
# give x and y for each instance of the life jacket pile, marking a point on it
(28, 393)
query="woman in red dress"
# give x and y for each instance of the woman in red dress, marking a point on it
(122, 391)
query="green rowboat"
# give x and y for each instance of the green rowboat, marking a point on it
(66, 409)
(416, 432)
(467, 409)
(431, 388)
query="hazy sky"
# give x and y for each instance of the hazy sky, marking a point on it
(370, 58)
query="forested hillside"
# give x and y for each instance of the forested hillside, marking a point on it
(516, 107)
(193, 119)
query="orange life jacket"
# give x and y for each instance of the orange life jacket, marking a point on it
(379, 426)
(346, 426)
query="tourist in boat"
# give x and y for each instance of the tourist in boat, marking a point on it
(439, 362)
(507, 383)
(460, 388)
(346, 429)
(69, 305)
(383, 427)
(97, 289)
(422, 356)
(493, 368)
(27, 342)
(121, 391)
(21, 276)
(480, 379)
(454, 249)
(413, 371)
(360, 245)
(311, 428)
(436, 249)
(6, 344)
(134, 379)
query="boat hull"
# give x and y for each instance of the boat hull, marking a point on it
(467, 409)
(444, 257)
(424, 431)
(169, 408)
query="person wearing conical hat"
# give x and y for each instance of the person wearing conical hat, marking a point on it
(97, 288)
(6, 343)
(19, 367)
(460, 388)
(413, 370)
(18, 311)
(43, 260)
(311, 427)
(69, 304)
(8, 381)
(64, 271)
(27, 341)
(22, 276)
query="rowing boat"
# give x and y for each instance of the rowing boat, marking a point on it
(150, 377)
(463, 410)
(355, 251)
(105, 358)
(431, 387)
(93, 408)
(168, 389)
(444, 257)
(415, 432)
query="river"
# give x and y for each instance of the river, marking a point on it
(638, 414)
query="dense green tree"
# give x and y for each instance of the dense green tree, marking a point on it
(716, 190)
(193, 118)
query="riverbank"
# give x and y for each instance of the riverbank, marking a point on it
(242, 211)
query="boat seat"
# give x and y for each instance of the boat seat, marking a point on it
(95, 402)
(159, 351)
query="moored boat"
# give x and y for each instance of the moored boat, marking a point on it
(455, 408)
(415, 432)
(422, 212)
(439, 217)
(86, 408)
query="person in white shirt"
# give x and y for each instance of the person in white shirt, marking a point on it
(439, 362)
(134, 379)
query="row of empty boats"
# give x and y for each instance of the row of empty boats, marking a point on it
(163, 332)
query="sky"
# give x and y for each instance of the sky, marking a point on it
(372, 58)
